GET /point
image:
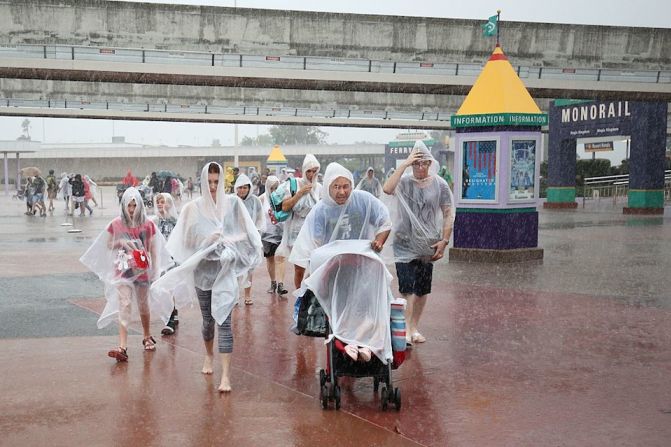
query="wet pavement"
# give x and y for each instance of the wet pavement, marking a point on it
(574, 350)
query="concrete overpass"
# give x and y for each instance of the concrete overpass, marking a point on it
(369, 65)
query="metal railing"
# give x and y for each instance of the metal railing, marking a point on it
(614, 187)
(196, 58)
(224, 110)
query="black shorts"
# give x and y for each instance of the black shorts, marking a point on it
(269, 249)
(414, 277)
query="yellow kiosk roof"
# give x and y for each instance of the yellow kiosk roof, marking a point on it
(276, 156)
(497, 90)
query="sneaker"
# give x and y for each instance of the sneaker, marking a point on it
(169, 328)
(280, 289)
(273, 287)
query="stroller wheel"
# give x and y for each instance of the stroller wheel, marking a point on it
(376, 384)
(384, 398)
(397, 399)
(336, 395)
(322, 377)
(324, 396)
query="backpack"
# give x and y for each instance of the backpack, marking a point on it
(276, 198)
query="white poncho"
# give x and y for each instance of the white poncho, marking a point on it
(293, 224)
(252, 202)
(214, 243)
(129, 253)
(272, 232)
(417, 211)
(352, 285)
(361, 217)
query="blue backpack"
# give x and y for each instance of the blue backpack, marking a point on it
(276, 198)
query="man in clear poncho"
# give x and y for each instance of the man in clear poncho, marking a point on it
(300, 203)
(338, 243)
(423, 219)
(127, 256)
(215, 242)
(370, 183)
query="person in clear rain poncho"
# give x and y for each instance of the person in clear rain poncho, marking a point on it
(165, 220)
(127, 256)
(215, 243)
(243, 189)
(338, 244)
(305, 198)
(370, 183)
(271, 235)
(423, 217)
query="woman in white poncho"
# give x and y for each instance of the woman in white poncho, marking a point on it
(271, 236)
(127, 256)
(423, 221)
(340, 236)
(242, 188)
(300, 203)
(215, 242)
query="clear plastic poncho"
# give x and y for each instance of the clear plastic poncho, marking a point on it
(252, 202)
(271, 232)
(352, 285)
(418, 207)
(371, 185)
(362, 216)
(215, 244)
(130, 252)
(167, 219)
(292, 226)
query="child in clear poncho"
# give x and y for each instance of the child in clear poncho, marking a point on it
(214, 242)
(242, 187)
(165, 220)
(127, 256)
(300, 204)
(352, 291)
(423, 216)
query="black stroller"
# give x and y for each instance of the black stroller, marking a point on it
(313, 321)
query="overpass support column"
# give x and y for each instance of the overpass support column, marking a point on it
(561, 173)
(647, 160)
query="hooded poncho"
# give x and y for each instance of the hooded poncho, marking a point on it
(361, 217)
(417, 211)
(252, 202)
(166, 220)
(293, 224)
(271, 233)
(214, 243)
(372, 186)
(127, 253)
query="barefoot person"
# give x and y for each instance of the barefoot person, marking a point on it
(127, 256)
(422, 227)
(214, 242)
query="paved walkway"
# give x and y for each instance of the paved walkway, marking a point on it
(571, 351)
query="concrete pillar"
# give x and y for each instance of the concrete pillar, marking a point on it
(647, 159)
(561, 173)
(18, 172)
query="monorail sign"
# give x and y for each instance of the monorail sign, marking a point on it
(582, 119)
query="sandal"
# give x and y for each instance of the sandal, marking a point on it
(119, 354)
(418, 338)
(149, 344)
(249, 302)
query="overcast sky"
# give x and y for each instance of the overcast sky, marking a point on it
(647, 13)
